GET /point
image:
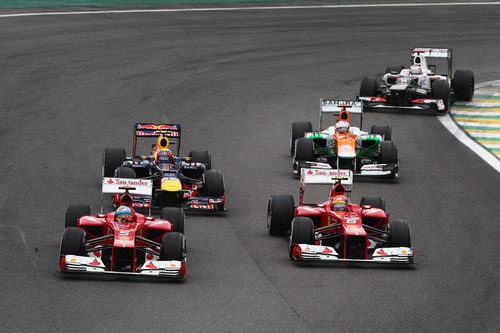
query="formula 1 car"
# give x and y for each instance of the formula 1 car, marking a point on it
(343, 146)
(418, 87)
(177, 181)
(137, 245)
(338, 230)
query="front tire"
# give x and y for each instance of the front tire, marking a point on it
(214, 183)
(399, 233)
(369, 87)
(388, 153)
(302, 232)
(463, 84)
(73, 241)
(441, 90)
(173, 246)
(280, 211)
(299, 128)
(113, 158)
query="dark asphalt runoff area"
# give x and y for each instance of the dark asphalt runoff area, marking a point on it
(71, 86)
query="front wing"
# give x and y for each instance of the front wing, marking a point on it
(424, 105)
(386, 255)
(367, 170)
(153, 268)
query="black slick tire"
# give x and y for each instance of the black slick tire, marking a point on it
(173, 246)
(299, 128)
(384, 130)
(74, 212)
(214, 183)
(203, 156)
(302, 232)
(369, 86)
(72, 242)
(113, 158)
(463, 84)
(399, 233)
(375, 202)
(280, 211)
(175, 216)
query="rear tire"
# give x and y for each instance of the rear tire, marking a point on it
(113, 158)
(124, 172)
(173, 246)
(214, 183)
(73, 241)
(302, 232)
(369, 86)
(280, 211)
(375, 202)
(463, 84)
(203, 156)
(74, 212)
(399, 233)
(441, 90)
(299, 128)
(175, 216)
(388, 153)
(384, 130)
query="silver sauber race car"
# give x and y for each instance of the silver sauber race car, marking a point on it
(420, 87)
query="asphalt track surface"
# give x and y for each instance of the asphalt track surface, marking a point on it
(73, 85)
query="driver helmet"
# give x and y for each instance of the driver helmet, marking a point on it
(342, 127)
(415, 70)
(123, 214)
(339, 203)
(164, 156)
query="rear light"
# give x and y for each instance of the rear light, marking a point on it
(62, 262)
(183, 268)
(296, 253)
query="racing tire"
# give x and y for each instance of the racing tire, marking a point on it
(299, 128)
(173, 246)
(304, 149)
(124, 172)
(280, 211)
(369, 86)
(302, 232)
(203, 156)
(441, 90)
(214, 183)
(375, 202)
(113, 158)
(175, 216)
(73, 213)
(399, 233)
(463, 84)
(384, 130)
(73, 241)
(394, 69)
(388, 153)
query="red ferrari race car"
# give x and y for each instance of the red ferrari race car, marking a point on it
(337, 229)
(124, 241)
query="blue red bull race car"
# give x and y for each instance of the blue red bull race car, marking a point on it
(187, 182)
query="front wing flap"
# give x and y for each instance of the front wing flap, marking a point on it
(378, 170)
(387, 255)
(425, 104)
(154, 268)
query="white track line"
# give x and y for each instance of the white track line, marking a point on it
(451, 126)
(173, 10)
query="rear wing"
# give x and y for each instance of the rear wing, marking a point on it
(429, 52)
(334, 107)
(132, 186)
(324, 176)
(155, 130)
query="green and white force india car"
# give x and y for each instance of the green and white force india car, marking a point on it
(344, 147)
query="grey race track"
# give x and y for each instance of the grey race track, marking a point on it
(73, 85)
